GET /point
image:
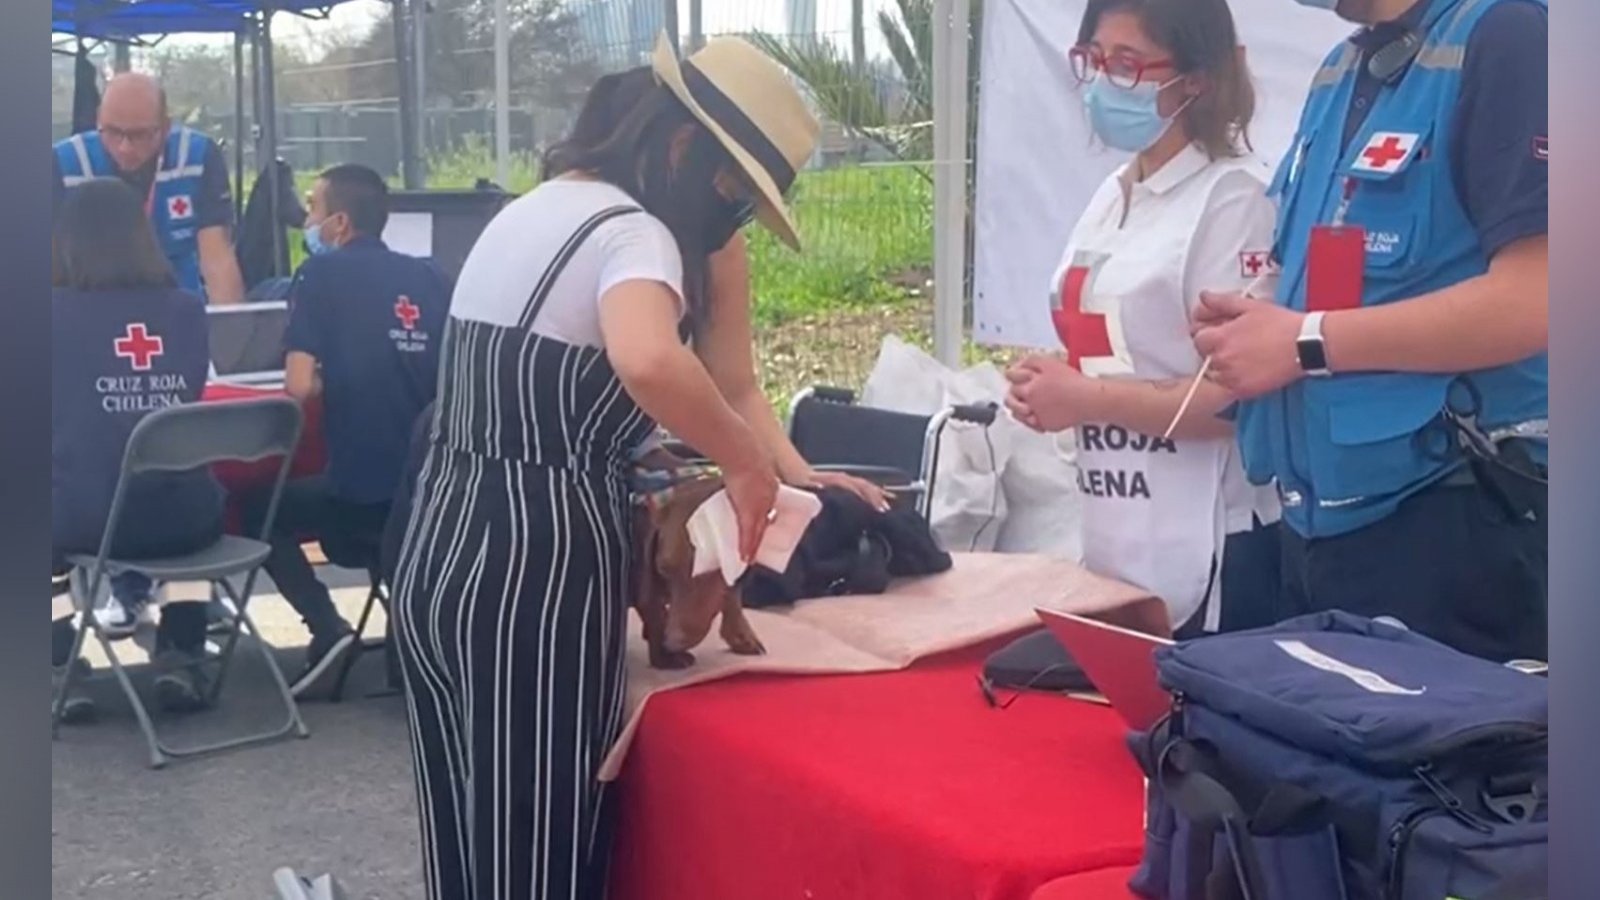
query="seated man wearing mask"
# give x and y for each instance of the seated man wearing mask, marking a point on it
(364, 329)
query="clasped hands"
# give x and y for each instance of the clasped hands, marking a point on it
(1250, 342)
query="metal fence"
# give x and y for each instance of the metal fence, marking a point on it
(864, 205)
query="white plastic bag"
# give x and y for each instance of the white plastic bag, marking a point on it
(1045, 508)
(1003, 488)
(968, 503)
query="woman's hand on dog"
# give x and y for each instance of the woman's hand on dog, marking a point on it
(872, 494)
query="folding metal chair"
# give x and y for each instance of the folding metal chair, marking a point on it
(895, 449)
(360, 554)
(176, 439)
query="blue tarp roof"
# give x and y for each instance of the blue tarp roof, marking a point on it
(144, 18)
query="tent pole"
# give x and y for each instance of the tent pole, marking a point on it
(269, 137)
(502, 96)
(419, 56)
(409, 173)
(238, 127)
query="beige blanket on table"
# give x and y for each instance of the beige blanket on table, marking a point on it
(983, 596)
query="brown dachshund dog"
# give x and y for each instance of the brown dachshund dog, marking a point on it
(676, 606)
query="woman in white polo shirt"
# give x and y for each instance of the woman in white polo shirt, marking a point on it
(1167, 506)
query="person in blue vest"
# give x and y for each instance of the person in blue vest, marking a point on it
(365, 324)
(178, 173)
(1396, 391)
(126, 341)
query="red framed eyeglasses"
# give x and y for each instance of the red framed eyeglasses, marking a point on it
(1120, 69)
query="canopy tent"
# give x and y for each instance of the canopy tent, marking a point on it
(146, 21)
(133, 20)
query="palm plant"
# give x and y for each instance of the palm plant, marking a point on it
(850, 92)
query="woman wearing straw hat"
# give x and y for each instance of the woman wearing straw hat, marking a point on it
(563, 349)
(726, 342)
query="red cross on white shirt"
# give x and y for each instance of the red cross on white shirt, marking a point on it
(1386, 151)
(1084, 334)
(406, 312)
(178, 207)
(1253, 263)
(138, 346)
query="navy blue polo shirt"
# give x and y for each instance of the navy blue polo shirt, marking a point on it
(1500, 142)
(373, 319)
(115, 357)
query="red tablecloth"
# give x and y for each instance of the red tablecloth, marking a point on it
(1105, 884)
(309, 459)
(901, 786)
(238, 478)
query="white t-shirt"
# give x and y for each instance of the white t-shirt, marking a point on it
(517, 246)
(1157, 512)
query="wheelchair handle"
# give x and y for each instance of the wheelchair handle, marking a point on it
(976, 413)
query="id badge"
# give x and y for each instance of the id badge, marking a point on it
(1336, 267)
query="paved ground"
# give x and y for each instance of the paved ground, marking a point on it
(217, 827)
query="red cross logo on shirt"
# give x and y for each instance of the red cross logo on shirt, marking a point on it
(1084, 334)
(1386, 151)
(138, 346)
(1253, 262)
(406, 312)
(179, 207)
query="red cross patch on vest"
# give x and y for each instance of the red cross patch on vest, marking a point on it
(179, 206)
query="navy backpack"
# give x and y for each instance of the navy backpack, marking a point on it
(1333, 757)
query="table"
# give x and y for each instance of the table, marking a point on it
(238, 479)
(1104, 884)
(898, 786)
(310, 458)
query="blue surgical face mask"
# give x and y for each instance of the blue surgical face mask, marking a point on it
(315, 245)
(1127, 119)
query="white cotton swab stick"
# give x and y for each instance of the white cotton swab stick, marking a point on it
(1205, 366)
(1188, 397)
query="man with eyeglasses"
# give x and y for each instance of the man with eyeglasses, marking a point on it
(179, 172)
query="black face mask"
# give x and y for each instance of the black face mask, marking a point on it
(729, 217)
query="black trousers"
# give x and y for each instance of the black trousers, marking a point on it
(171, 517)
(1250, 583)
(1463, 563)
(349, 532)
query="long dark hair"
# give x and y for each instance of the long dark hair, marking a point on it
(102, 240)
(1202, 40)
(625, 136)
(609, 100)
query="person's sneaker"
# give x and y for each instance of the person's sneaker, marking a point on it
(78, 709)
(220, 614)
(324, 659)
(181, 687)
(118, 619)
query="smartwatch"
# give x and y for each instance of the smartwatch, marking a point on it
(1313, 355)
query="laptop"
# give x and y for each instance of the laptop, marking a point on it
(1119, 662)
(247, 342)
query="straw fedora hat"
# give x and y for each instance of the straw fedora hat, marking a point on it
(747, 102)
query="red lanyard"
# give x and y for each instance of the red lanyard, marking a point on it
(150, 195)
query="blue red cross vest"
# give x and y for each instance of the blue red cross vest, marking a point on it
(173, 193)
(1346, 450)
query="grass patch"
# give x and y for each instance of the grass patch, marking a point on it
(820, 314)
(867, 232)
